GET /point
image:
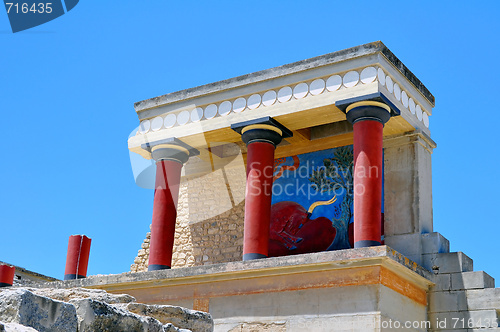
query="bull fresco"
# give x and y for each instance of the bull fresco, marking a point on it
(312, 206)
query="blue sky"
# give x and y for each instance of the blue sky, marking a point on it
(67, 90)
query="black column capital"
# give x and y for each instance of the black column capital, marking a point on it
(170, 149)
(375, 106)
(368, 110)
(262, 130)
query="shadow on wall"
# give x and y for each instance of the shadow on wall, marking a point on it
(219, 239)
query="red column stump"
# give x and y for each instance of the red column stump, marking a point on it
(6, 275)
(77, 258)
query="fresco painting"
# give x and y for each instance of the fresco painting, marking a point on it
(312, 206)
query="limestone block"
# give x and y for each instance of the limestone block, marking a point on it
(39, 312)
(442, 282)
(464, 319)
(453, 262)
(471, 280)
(479, 299)
(14, 327)
(69, 294)
(484, 318)
(196, 321)
(99, 316)
(408, 184)
(447, 320)
(406, 244)
(447, 301)
(434, 243)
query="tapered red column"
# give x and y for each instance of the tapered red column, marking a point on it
(169, 160)
(368, 119)
(261, 137)
(6, 275)
(77, 258)
(260, 161)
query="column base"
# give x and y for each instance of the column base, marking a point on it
(366, 243)
(4, 284)
(73, 276)
(249, 257)
(156, 267)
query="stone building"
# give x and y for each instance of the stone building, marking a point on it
(299, 198)
(24, 277)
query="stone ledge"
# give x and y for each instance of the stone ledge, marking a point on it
(471, 280)
(374, 278)
(331, 260)
(452, 262)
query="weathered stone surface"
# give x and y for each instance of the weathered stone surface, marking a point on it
(471, 280)
(14, 327)
(86, 310)
(99, 316)
(434, 243)
(453, 262)
(483, 299)
(447, 301)
(18, 305)
(263, 327)
(69, 294)
(195, 321)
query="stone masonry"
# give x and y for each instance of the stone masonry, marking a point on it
(209, 226)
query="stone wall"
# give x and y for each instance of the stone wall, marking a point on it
(209, 226)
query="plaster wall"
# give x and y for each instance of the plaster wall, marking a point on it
(355, 308)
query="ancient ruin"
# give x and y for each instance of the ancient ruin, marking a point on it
(297, 198)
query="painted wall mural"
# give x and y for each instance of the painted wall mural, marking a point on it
(312, 206)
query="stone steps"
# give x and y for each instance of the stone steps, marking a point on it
(450, 262)
(462, 299)
(466, 319)
(483, 299)
(471, 280)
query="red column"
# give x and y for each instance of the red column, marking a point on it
(77, 258)
(367, 182)
(258, 196)
(368, 119)
(168, 176)
(6, 275)
(261, 137)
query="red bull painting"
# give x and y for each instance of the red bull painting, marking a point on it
(312, 207)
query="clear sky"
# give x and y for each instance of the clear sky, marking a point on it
(67, 90)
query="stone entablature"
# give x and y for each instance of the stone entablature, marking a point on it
(299, 95)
